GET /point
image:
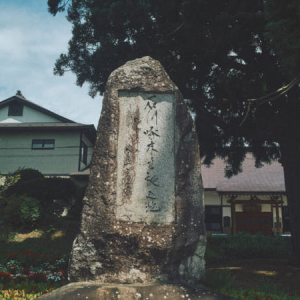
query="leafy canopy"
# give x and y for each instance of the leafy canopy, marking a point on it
(217, 52)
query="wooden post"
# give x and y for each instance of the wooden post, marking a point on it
(233, 215)
(277, 231)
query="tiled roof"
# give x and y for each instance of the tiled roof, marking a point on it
(267, 179)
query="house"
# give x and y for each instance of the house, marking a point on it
(252, 201)
(34, 137)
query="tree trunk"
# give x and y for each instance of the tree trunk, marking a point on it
(291, 166)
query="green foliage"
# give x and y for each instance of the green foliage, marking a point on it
(53, 194)
(29, 273)
(45, 189)
(269, 287)
(213, 50)
(282, 30)
(28, 174)
(6, 233)
(21, 210)
(252, 294)
(9, 181)
(244, 245)
(218, 54)
(223, 281)
(213, 246)
(25, 290)
(220, 280)
(46, 254)
(76, 207)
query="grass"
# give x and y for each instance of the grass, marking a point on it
(245, 260)
(223, 282)
(243, 245)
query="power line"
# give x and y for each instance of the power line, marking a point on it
(30, 148)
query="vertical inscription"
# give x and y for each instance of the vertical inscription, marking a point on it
(152, 133)
(146, 168)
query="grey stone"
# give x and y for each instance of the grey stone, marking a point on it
(142, 219)
(98, 291)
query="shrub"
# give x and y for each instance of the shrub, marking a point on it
(76, 208)
(21, 210)
(245, 245)
(54, 193)
(221, 280)
(28, 174)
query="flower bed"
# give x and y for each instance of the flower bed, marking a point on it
(33, 265)
(27, 274)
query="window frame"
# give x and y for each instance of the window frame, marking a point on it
(212, 218)
(43, 142)
(15, 109)
(83, 152)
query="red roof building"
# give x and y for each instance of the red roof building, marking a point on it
(252, 201)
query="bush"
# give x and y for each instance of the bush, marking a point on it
(28, 174)
(54, 193)
(21, 211)
(76, 208)
(245, 245)
(221, 280)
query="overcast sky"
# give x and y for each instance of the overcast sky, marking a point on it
(30, 42)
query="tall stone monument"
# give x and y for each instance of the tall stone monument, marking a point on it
(142, 218)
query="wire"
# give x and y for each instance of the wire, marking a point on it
(35, 149)
(270, 97)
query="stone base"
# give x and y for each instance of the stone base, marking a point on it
(96, 291)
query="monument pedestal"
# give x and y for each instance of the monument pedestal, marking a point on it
(97, 291)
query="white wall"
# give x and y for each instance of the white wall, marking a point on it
(29, 115)
(16, 152)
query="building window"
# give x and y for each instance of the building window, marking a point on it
(42, 144)
(213, 218)
(83, 152)
(226, 221)
(15, 109)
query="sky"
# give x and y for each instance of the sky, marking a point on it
(30, 42)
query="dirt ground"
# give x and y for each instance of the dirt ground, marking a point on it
(252, 273)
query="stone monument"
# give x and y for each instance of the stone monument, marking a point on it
(142, 218)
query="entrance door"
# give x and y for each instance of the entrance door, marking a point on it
(254, 222)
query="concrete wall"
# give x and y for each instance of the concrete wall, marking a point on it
(29, 115)
(16, 152)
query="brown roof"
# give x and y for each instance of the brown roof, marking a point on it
(267, 179)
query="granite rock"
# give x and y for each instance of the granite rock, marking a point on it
(97, 291)
(142, 218)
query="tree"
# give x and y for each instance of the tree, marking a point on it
(220, 55)
(282, 30)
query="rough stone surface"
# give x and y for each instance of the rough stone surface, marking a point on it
(142, 218)
(98, 291)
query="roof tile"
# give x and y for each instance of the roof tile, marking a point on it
(269, 178)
